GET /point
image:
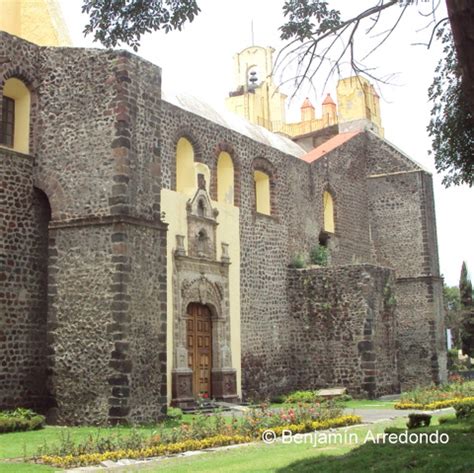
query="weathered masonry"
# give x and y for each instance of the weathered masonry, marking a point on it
(146, 248)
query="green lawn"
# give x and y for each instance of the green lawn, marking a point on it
(18, 445)
(24, 468)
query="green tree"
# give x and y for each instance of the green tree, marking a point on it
(467, 329)
(451, 126)
(452, 309)
(125, 21)
(313, 30)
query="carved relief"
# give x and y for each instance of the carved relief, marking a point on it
(199, 278)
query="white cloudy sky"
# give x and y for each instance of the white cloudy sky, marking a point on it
(198, 60)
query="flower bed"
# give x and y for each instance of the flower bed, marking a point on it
(69, 461)
(205, 431)
(341, 421)
(437, 397)
(431, 406)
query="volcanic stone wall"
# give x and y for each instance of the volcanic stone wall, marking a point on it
(343, 172)
(268, 243)
(404, 233)
(343, 328)
(104, 144)
(24, 216)
(95, 133)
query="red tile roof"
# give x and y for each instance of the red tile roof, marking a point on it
(307, 103)
(329, 145)
(328, 100)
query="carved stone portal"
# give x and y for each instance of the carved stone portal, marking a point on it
(199, 278)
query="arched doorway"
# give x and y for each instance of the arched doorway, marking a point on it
(199, 346)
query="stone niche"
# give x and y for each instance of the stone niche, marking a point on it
(200, 278)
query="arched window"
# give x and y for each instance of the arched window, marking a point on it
(225, 179)
(15, 119)
(262, 192)
(185, 175)
(328, 209)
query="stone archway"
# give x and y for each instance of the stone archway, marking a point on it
(202, 292)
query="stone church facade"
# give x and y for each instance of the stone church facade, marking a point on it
(146, 249)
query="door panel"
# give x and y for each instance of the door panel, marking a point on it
(199, 340)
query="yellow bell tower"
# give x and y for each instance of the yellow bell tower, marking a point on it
(256, 97)
(38, 21)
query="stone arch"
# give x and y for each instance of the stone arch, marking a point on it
(186, 133)
(265, 167)
(58, 200)
(229, 149)
(204, 292)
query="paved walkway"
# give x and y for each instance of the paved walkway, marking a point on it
(377, 415)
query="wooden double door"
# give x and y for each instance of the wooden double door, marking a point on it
(199, 344)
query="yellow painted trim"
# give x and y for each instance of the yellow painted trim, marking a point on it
(38, 21)
(225, 179)
(185, 174)
(262, 192)
(228, 231)
(19, 92)
(328, 205)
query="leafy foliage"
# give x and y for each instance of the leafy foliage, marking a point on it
(452, 122)
(464, 409)
(467, 328)
(298, 261)
(465, 287)
(453, 314)
(319, 255)
(418, 420)
(302, 396)
(302, 15)
(125, 21)
(20, 420)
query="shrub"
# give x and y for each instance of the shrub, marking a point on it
(174, 413)
(278, 399)
(418, 420)
(464, 409)
(20, 420)
(319, 255)
(302, 396)
(343, 398)
(298, 261)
